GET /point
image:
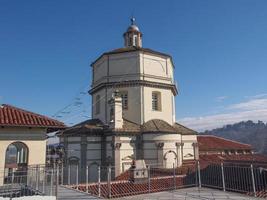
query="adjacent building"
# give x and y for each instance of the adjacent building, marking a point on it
(209, 144)
(23, 139)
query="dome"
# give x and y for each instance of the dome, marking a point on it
(133, 27)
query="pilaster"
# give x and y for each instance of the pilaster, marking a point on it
(160, 146)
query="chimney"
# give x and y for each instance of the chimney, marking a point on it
(116, 120)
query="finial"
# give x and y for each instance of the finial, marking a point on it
(132, 20)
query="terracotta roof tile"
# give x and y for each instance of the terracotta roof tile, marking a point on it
(210, 142)
(13, 116)
(183, 130)
(245, 158)
(157, 125)
(151, 126)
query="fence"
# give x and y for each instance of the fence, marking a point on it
(242, 178)
(33, 180)
(105, 182)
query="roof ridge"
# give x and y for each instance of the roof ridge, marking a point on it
(185, 127)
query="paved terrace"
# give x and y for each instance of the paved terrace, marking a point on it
(180, 194)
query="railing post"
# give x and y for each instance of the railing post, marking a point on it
(57, 181)
(28, 177)
(87, 178)
(174, 178)
(77, 176)
(253, 180)
(12, 177)
(62, 173)
(99, 180)
(44, 178)
(51, 182)
(148, 173)
(109, 179)
(199, 175)
(36, 178)
(223, 180)
(69, 174)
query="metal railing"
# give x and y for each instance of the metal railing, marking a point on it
(104, 181)
(33, 180)
(243, 178)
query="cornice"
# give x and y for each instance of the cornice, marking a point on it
(134, 83)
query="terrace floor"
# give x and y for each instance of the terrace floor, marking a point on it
(191, 194)
(180, 194)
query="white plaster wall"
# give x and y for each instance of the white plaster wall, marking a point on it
(136, 66)
(34, 139)
(126, 150)
(150, 149)
(101, 115)
(155, 65)
(133, 112)
(188, 148)
(166, 105)
(100, 70)
(124, 64)
(74, 150)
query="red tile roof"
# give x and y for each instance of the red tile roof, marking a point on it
(242, 158)
(13, 116)
(210, 142)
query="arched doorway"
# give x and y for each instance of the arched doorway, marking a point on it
(16, 161)
(16, 155)
(170, 159)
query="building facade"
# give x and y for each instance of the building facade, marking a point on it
(133, 112)
(23, 139)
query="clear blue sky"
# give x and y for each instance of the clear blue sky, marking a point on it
(219, 49)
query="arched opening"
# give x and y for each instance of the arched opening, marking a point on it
(16, 155)
(16, 161)
(73, 171)
(170, 159)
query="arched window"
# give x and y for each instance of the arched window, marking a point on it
(156, 101)
(97, 108)
(16, 155)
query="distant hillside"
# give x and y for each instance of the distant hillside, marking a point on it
(246, 132)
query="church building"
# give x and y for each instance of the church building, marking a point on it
(133, 112)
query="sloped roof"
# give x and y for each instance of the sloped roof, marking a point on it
(88, 126)
(157, 125)
(152, 126)
(210, 142)
(13, 116)
(129, 126)
(132, 49)
(183, 130)
(246, 158)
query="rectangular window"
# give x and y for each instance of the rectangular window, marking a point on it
(124, 98)
(156, 101)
